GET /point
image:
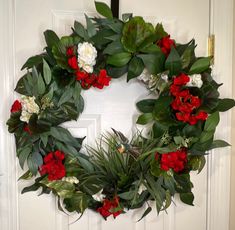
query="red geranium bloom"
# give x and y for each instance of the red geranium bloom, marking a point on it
(174, 160)
(181, 79)
(108, 208)
(81, 75)
(70, 51)
(16, 107)
(72, 61)
(53, 166)
(202, 116)
(165, 44)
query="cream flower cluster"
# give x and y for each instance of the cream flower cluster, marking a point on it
(86, 56)
(71, 179)
(195, 81)
(29, 107)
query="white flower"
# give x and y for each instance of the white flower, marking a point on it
(71, 179)
(164, 77)
(195, 81)
(29, 107)
(144, 76)
(142, 188)
(99, 196)
(86, 56)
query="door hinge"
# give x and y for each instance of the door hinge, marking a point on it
(211, 47)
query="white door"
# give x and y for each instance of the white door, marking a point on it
(112, 107)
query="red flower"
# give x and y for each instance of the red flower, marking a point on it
(174, 160)
(174, 89)
(165, 44)
(202, 116)
(102, 80)
(26, 129)
(53, 165)
(109, 207)
(81, 75)
(16, 107)
(70, 51)
(181, 79)
(72, 61)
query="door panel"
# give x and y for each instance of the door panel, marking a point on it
(112, 107)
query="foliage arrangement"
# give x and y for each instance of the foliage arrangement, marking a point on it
(119, 174)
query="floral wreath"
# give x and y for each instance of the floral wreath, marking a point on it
(118, 174)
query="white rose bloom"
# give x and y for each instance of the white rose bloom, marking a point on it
(71, 179)
(99, 196)
(86, 56)
(144, 76)
(195, 81)
(29, 107)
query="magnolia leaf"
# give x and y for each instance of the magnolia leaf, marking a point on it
(146, 106)
(32, 61)
(146, 212)
(116, 72)
(145, 118)
(225, 104)
(211, 122)
(103, 9)
(219, 144)
(187, 198)
(41, 85)
(51, 38)
(200, 65)
(113, 48)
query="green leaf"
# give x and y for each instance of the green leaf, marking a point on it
(146, 106)
(23, 155)
(212, 121)
(66, 96)
(26, 176)
(155, 169)
(127, 195)
(158, 129)
(146, 212)
(103, 9)
(32, 61)
(113, 48)
(187, 198)
(91, 31)
(32, 164)
(225, 104)
(135, 68)
(153, 62)
(219, 144)
(197, 162)
(160, 32)
(51, 38)
(135, 32)
(119, 59)
(46, 72)
(80, 30)
(145, 118)
(200, 65)
(173, 62)
(116, 72)
(41, 85)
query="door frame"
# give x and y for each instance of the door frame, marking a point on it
(221, 25)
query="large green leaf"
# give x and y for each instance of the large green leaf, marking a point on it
(91, 30)
(33, 61)
(219, 144)
(173, 62)
(154, 62)
(80, 30)
(51, 38)
(135, 32)
(212, 121)
(200, 65)
(187, 198)
(225, 104)
(103, 9)
(116, 72)
(135, 68)
(145, 118)
(119, 59)
(113, 48)
(146, 106)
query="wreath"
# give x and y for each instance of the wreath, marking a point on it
(118, 174)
